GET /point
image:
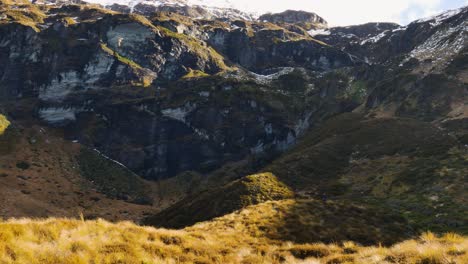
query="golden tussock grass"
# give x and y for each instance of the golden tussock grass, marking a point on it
(57, 240)
(4, 124)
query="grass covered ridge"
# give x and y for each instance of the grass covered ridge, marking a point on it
(249, 190)
(75, 241)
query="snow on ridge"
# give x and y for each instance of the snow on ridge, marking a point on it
(375, 38)
(441, 45)
(439, 18)
(132, 3)
(270, 77)
(401, 28)
(221, 8)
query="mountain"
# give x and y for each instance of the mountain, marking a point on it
(271, 129)
(106, 53)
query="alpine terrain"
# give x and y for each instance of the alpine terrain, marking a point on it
(173, 131)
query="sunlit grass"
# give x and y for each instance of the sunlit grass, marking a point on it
(75, 241)
(4, 124)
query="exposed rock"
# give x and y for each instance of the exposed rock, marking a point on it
(183, 94)
(308, 20)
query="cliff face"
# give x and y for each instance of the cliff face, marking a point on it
(133, 88)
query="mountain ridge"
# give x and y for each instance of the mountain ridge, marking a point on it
(262, 129)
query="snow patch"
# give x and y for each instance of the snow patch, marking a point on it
(321, 32)
(179, 113)
(57, 115)
(201, 133)
(302, 125)
(438, 19)
(114, 161)
(264, 79)
(442, 45)
(375, 39)
(204, 94)
(60, 87)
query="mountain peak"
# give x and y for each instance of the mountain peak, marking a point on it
(198, 9)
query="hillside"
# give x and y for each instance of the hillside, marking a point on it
(399, 163)
(44, 175)
(396, 164)
(235, 238)
(249, 190)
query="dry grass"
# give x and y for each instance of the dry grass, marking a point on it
(23, 13)
(78, 241)
(4, 124)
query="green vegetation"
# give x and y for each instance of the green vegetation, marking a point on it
(294, 82)
(357, 91)
(24, 13)
(112, 179)
(69, 21)
(120, 58)
(435, 98)
(172, 17)
(195, 74)
(145, 79)
(142, 20)
(394, 163)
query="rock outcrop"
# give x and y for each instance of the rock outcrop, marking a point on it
(308, 20)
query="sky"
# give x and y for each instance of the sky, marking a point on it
(352, 12)
(342, 12)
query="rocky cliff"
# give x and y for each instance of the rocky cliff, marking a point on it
(131, 85)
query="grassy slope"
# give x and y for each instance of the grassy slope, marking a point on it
(397, 164)
(22, 12)
(40, 176)
(235, 238)
(403, 164)
(113, 180)
(238, 194)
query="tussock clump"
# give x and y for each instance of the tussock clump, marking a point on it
(4, 124)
